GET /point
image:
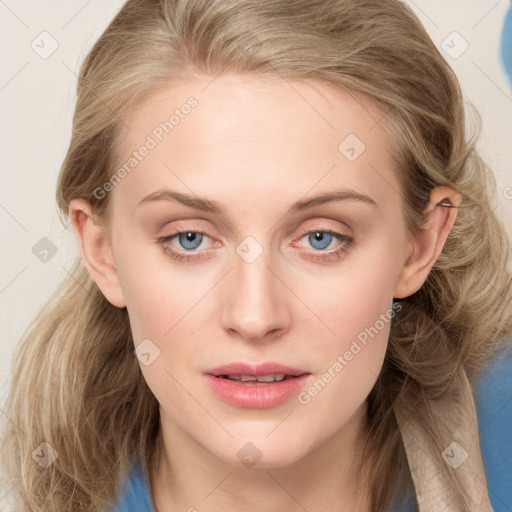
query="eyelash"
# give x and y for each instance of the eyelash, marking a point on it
(331, 256)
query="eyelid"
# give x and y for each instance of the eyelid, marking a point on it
(308, 228)
(320, 226)
(187, 227)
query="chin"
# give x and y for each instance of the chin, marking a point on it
(261, 452)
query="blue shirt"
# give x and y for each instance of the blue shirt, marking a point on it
(493, 400)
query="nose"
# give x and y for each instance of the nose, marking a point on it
(255, 306)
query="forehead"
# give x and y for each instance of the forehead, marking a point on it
(253, 135)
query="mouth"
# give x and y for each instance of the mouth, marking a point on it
(250, 385)
(257, 380)
(256, 372)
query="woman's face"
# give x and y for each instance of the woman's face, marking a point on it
(260, 277)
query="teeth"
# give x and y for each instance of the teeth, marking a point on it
(260, 378)
(270, 378)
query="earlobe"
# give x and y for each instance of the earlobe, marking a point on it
(96, 250)
(426, 245)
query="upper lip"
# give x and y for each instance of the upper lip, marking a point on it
(242, 368)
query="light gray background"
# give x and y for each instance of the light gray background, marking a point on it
(37, 98)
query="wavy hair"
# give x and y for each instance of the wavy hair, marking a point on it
(76, 384)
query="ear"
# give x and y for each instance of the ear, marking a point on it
(428, 243)
(96, 250)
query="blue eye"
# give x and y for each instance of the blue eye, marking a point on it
(322, 237)
(319, 239)
(189, 239)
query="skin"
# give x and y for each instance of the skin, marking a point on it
(258, 145)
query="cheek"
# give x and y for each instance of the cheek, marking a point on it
(352, 297)
(164, 312)
(162, 319)
(154, 293)
(150, 306)
(352, 317)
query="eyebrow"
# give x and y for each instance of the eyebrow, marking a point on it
(207, 205)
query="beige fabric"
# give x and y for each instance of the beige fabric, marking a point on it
(456, 418)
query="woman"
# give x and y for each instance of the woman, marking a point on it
(291, 275)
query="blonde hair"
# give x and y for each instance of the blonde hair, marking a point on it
(76, 383)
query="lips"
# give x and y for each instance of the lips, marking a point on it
(255, 370)
(248, 385)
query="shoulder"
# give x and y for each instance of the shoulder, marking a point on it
(135, 495)
(493, 402)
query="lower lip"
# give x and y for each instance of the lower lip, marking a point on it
(255, 396)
